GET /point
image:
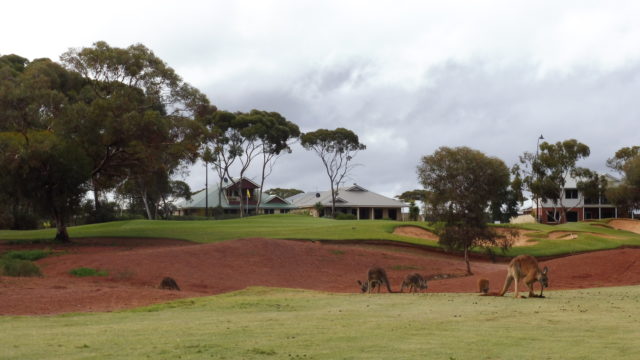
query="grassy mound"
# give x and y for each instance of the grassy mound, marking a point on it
(308, 228)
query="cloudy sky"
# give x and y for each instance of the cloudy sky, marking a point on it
(406, 76)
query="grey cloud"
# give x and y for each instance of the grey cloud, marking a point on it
(498, 111)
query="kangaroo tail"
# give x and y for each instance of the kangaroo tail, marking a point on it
(507, 283)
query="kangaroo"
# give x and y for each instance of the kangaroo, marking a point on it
(414, 282)
(169, 283)
(375, 277)
(525, 267)
(483, 286)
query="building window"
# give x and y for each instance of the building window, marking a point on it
(570, 193)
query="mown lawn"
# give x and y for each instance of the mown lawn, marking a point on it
(260, 323)
(309, 228)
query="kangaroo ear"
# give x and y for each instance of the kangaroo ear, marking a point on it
(545, 270)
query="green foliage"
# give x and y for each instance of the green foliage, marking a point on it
(345, 216)
(336, 148)
(18, 267)
(84, 272)
(414, 211)
(30, 255)
(283, 193)
(414, 195)
(463, 182)
(545, 173)
(626, 195)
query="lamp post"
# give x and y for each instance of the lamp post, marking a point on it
(206, 189)
(537, 198)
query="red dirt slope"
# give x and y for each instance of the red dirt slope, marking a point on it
(136, 268)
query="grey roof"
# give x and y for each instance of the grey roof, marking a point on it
(198, 201)
(352, 196)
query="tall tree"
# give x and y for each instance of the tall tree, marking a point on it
(626, 194)
(545, 174)
(411, 197)
(129, 88)
(41, 166)
(463, 182)
(336, 148)
(274, 139)
(225, 142)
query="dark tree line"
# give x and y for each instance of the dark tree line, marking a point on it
(120, 121)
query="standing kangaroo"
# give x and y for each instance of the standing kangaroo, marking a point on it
(525, 267)
(414, 282)
(375, 277)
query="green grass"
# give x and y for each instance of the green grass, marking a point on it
(30, 255)
(272, 226)
(309, 228)
(18, 268)
(84, 272)
(261, 323)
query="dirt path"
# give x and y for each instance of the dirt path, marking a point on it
(136, 268)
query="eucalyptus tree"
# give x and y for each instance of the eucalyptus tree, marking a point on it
(223, 141)
(136, 101)
(40, 165)
(545, 174)
(462, 183)
(626, 194)
(336, 149)
(275, 138)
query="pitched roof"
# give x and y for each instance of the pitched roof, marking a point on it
(198, 200)
(352, 196)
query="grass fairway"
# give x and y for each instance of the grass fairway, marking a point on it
(309, 228)
(261, 323)
(271, 226)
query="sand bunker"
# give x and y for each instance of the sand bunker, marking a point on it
(520, 237)
(626, 224)
(417, 232)
(568, 235)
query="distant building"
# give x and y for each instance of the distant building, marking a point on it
(578, 206)
(354, 200)
(245, 191)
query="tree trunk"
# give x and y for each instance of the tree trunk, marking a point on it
(96, 195)
(259, 200)
(466, 260)
(146, 205)
(61, 229)
(333, 202)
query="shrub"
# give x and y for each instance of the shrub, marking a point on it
(343, 216)
(83, 272)
(17, 267)
(30, 255)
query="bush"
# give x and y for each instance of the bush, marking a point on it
(30, 255)
(17, 267)
(83, 272)
(343, 216)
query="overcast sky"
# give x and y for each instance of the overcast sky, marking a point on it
(407, 77)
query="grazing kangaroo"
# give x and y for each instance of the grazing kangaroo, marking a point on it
(375, 277)
(525, 267)
(414, 282)
(169, 283)
(483, 286)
